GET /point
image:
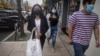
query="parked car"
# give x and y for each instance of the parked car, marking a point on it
(8, 18)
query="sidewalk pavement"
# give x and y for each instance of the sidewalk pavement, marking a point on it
(18, 48)
(62, 48)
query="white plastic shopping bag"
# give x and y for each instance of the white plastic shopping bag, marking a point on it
(48, 33)
(48, 16)
(33, 47)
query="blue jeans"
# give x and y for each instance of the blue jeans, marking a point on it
(53, 35)
(80, 49)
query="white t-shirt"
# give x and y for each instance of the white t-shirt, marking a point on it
(37, 22)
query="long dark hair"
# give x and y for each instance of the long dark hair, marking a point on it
(56, 14)
(33, 15)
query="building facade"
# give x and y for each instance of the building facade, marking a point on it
(10, 3)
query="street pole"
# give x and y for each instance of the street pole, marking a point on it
(27, 6)
(21, 18)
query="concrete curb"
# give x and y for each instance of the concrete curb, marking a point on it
(12, 35)
(8, 36)
(67, 47)
(15, 42)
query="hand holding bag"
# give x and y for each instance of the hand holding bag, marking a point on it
(33, 47)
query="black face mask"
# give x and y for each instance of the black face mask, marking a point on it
(37, 12)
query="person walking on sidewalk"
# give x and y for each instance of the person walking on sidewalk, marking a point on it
(54, 18)
(80, 28)
(38, 22)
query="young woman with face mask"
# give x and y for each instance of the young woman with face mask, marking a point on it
(38, 22)
(54, 18)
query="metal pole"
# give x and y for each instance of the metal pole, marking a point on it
(16, 28)
(21, 18)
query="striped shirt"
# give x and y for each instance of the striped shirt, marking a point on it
(83, 26)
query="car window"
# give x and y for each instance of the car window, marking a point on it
(3, 14)
(13, 13)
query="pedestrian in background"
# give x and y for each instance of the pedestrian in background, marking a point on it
(38, 22)
(80, 28)
(53, 19)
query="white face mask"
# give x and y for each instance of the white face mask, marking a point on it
(53, 11)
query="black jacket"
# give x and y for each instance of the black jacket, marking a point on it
(43, 27)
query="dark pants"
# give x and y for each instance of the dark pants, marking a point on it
(80, 49)
(42, 40)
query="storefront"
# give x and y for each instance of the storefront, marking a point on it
(69, 6)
